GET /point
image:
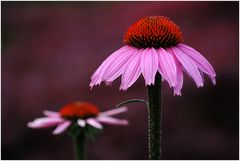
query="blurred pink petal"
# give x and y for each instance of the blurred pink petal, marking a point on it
(45, 122)
(51, 113)
(114, 111)
(62, 127)
(93, 122)
(149, 65)
(111, 120)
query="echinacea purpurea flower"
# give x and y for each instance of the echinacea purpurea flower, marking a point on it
(83, 113)
(79, 119)
(152, 45)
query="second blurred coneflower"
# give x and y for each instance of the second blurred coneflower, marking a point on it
(80, 119)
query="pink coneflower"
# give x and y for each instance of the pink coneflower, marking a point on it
(154, 44)
(83, 113)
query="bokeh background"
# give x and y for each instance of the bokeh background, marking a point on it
(51, 49)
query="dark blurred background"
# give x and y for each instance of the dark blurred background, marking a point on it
(51, 49)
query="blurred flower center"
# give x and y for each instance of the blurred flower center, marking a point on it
(153, 31)
(79, 110)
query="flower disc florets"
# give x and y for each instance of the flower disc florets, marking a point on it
(79, 110)
(153, 31)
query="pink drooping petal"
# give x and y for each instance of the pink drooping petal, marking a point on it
(167, 66)
(118, 65)
(132, 71)
(114, 111)
(81, 122)
(189, 65)
(99, 72)
(62, 127)
(94, 123)
(149, 65)
(45, 122)
(97, 77)
(178, 87)
(213, 79)
(200, 61)
(51, 113)
(111, 120)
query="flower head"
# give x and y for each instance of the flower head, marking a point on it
(154, 44)
(82, 113)
(156, 32)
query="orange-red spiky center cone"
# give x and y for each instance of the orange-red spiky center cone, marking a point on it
(154, 31)
(79, 110)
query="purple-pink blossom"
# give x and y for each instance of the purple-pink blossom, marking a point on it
(83, 113)
(152, 49)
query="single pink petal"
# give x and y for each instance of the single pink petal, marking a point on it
(189, 65)
(94, 123)
(111, 120)
(149, 65)
(97, 77)
(62, 127)
(168, 67)
(51, 113)
(178, 87)
(213, 80)
(132, 71)
(45, 122)
(114, 111)
(163, 75)
(200, 61)
(81, 122)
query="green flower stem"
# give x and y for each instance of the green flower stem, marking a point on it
(79, 141)
(154, 119)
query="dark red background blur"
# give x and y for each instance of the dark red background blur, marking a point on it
(51, 49)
